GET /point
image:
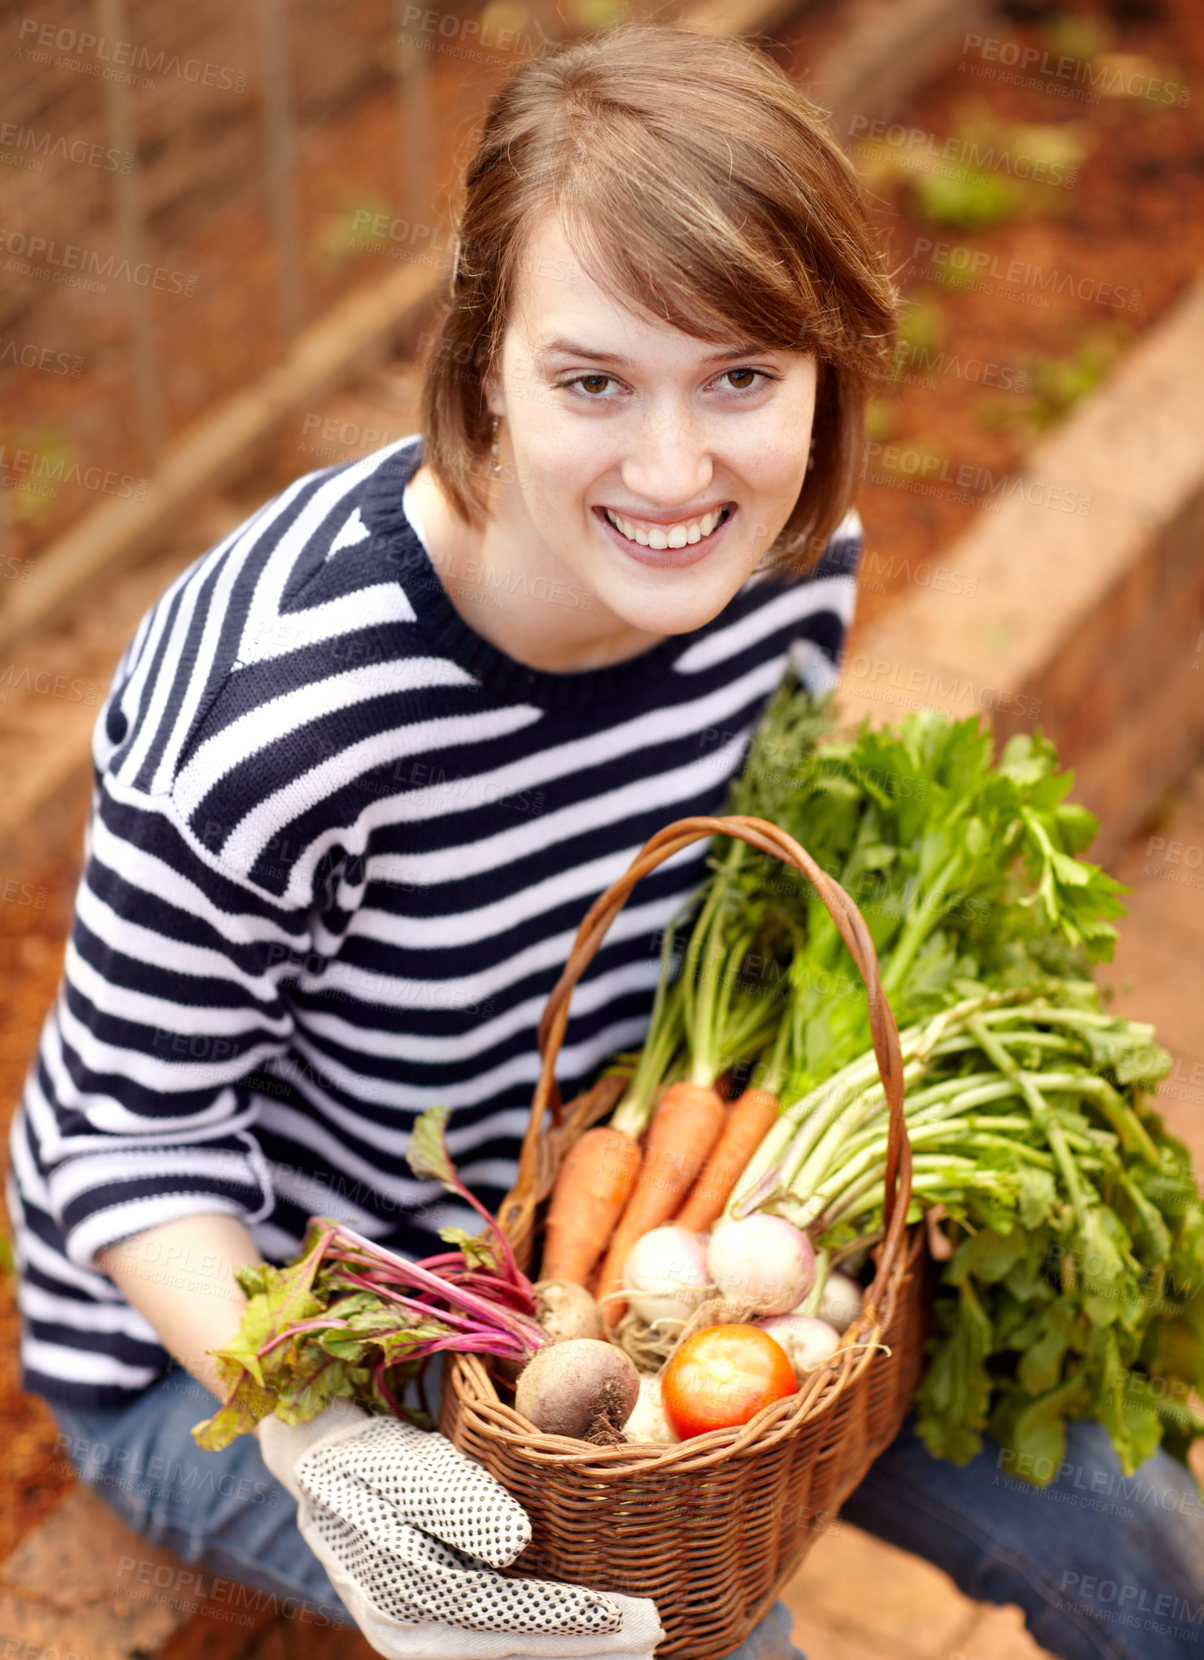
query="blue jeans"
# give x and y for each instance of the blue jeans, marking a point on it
(1104, 1568)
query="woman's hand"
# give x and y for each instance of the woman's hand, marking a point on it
(409, 1531)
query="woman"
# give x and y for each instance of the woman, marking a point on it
(362, 770)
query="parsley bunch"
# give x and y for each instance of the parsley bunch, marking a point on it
(1072, 1283)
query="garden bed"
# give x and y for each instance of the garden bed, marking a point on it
(1088, 188)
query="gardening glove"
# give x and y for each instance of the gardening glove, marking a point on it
(408, 1529)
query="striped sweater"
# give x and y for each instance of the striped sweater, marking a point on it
(339, 847)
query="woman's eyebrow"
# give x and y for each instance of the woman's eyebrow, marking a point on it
(570, 348)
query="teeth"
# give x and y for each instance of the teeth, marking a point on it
(665, 536)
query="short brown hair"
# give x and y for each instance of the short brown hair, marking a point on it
(694, 180)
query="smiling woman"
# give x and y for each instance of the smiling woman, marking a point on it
(673, 303)
(622, 477)
(363, 768)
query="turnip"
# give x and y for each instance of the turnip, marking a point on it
(578, 1388)
(665, 1274)
(807, 1341)
(763, 1261)
(840, 1303)
(648, 1421)
(566, 1310)
(563, 1311)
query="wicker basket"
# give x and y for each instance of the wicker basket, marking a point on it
(710, 1528)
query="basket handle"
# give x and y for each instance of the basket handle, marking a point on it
(766, 838)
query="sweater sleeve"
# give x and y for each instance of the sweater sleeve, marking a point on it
(171, 997)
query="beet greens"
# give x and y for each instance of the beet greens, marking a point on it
(348, 1318)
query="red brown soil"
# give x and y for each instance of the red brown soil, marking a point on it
(31, 1482)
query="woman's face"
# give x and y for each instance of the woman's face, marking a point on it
(607, 415)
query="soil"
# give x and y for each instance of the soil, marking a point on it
(1131, 225)
(32, 1480)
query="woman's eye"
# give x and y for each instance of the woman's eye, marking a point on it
(761, 378)
(588, 386)
(583, 379)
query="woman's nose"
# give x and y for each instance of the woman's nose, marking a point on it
(670, 462)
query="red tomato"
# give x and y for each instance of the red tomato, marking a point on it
(723, 1376)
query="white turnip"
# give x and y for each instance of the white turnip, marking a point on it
(840, 1303)
(647, 1421)
(665, 1274)
(807, 1341)
(566, 1310)
(763, 1261)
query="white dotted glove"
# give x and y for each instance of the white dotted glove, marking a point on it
(408, 1529)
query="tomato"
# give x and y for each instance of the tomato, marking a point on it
(723, 1376)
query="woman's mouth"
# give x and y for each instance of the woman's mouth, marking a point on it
(683, 543)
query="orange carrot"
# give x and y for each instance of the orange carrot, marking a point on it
(748, 1123)
(591, 1193)
(687, 1123)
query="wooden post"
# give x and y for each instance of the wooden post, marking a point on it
(552, 21)
(7, 539)
(416, 119)
(279, 140)
(144, 355)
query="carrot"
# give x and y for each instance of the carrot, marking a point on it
(749, 1121)
(685, 1126)
(591, 1193)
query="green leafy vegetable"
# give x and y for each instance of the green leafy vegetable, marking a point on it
(348, 1318)
(1076, 1284)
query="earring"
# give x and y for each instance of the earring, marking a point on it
(495, 470)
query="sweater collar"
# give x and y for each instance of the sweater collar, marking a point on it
(383, 511)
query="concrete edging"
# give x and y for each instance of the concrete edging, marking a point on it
(1087, 624)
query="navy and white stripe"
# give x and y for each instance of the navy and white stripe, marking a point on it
(339, 849)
